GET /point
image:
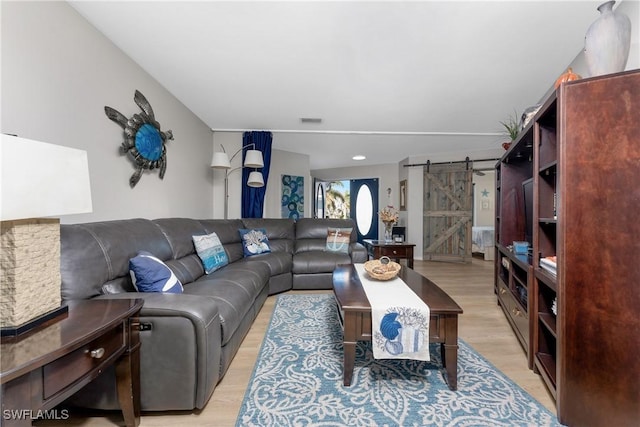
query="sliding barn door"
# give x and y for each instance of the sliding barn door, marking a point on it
(448, 204)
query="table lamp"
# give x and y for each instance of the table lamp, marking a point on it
(38, 181)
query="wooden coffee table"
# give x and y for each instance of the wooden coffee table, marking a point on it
(355, 315)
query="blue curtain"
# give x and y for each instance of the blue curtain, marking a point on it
(253, 198)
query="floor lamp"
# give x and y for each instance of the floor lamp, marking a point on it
(253, 159)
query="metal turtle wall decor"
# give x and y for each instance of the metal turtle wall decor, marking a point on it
(144, 140)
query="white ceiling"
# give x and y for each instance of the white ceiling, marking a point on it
(430, 78)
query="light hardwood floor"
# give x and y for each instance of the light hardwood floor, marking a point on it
(483, 326)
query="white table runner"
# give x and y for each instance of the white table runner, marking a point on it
(399, 318)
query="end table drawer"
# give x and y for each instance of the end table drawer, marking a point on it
(63, 372)
(400, 252)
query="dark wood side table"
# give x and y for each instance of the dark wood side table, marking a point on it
(394, 250)
(41, 370)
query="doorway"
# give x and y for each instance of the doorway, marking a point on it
(356, 199)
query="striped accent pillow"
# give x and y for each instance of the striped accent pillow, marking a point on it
(211, 252)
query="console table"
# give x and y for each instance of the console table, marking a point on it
(395, 250)
(42, 369)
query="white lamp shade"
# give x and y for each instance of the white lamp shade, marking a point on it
(220, 160)
(255, 180)
(42, 180)
(253, 159)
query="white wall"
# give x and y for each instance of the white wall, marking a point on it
(484, 205)
(631, 8)
(414, 215)
(58, 73)
(387, 175)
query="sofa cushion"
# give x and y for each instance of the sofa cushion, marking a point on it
(96, 255)
(234, 288)
(188, 269)
(278, 262)
(211, 252)
(149, 274)
(318, 261)
(254, 241)
(338, 239)
(184, 260)
(179, 232)
(307, 245)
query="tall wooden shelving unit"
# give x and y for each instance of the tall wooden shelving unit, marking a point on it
(513, 271)
(586, 178)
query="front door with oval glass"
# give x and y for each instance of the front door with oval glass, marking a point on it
(364, 207)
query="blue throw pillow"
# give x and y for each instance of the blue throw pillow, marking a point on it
(149, 274)
(254, 241)
(338, 239)
(211, 252)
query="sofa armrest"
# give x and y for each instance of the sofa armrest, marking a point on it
(181, 348)
(201, 311)
(358, 253)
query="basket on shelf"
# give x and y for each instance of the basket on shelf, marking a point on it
(382, 269)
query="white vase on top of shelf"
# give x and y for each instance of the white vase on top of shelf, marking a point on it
(607, 41)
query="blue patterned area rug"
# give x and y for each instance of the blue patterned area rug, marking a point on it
(297, 381)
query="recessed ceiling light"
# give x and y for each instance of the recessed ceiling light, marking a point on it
(359, 157)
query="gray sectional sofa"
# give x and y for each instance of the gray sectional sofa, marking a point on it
(193, 336)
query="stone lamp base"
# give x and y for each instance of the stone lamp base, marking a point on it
(29, 274)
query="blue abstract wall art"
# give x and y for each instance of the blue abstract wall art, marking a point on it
(292, 196)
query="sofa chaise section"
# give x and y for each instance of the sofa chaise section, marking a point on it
(313, 264)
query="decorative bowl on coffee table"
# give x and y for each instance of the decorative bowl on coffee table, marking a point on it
(382, 269)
